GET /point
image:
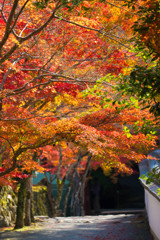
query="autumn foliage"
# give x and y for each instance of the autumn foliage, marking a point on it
(50, 53)
(147, 26)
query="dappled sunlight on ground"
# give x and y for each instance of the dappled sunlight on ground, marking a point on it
(104, 227)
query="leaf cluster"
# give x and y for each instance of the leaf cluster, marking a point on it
(152, 176)
(146, 28)
(41, 4)
(144, 83)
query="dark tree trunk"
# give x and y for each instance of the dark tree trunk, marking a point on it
(20, 204)
(83, 181)
(28, 205)
(0, 104)
(59, 184)
(32, 207)
(75, 203)
(65, 202)
(58, 198)
(51, 201)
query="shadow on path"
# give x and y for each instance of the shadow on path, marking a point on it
(108, 227)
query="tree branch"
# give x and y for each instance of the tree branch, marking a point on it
(93, 29)
(8, 24)
(23, 39)
(9, 143)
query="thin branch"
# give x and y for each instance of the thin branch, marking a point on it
(8, 143)
(3, 5)
(14, 163)
(60, 162)
(52, 56)
(69, 170)
(21, 40)
(92, 29)
(21, 10)
(44, 25)
(8, 72)
(114, 5)
(8, 24)
(88, 59)
(9, 53)
(68, 80)
(23, 30)
(25, 119)
(21, 150)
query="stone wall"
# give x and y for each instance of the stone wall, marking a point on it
(8, 201)
(8, 204)
(40, 206)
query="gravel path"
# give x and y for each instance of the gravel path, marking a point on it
(106, 227)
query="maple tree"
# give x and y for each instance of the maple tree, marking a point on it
(49, 53)
(119, 127)
(101, 145)
(34, 52)
(143, 79)
(62, 165)
(103, 135)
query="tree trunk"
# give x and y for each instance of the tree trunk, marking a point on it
(32, 207)
(76, 187)
(60, 186)
(51, 201)
(65, 202)
(58, 198)
(20, 204)
(81, 195)
(27, 220)
(75, 211)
